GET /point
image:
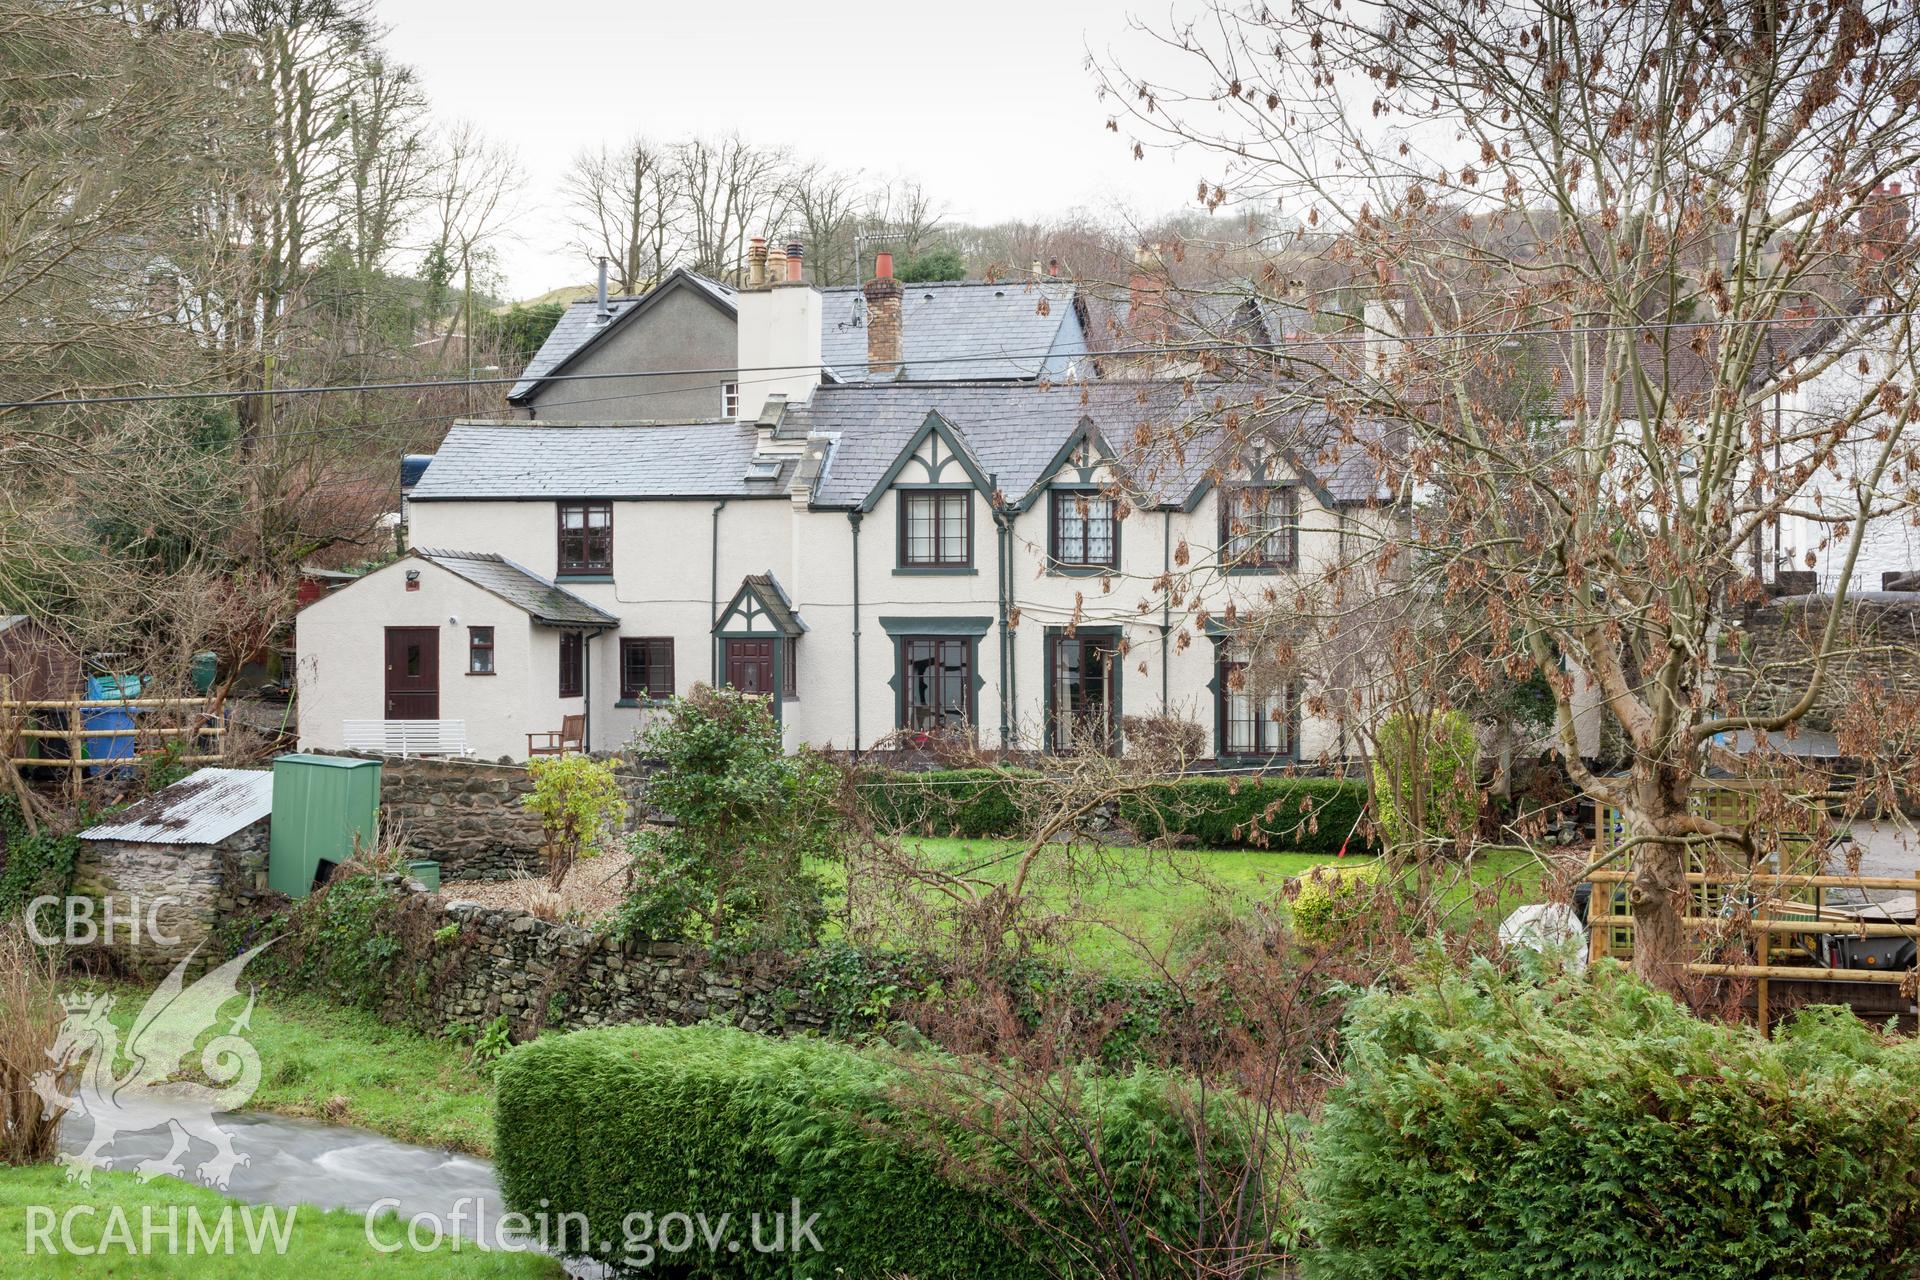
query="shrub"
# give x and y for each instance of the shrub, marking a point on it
(970, 803)
(732, 870)
(1492, 1130)
(711, 1120)
(608, 1122)
(1312, 815)
(1441, 785)
(1330, 898)
(578, 802)
(31, 865)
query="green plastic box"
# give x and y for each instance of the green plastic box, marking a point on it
(324, 808)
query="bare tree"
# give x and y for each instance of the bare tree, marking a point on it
(732, 188)
(1650, 196)
(628, 208)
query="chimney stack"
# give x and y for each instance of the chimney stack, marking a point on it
(1053, 266)
(1884, 220)
(1146, 298)
(883, 320)
(778, 323)
(601, 313)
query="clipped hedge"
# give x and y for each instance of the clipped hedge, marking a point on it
(1310, 815)
(1494, 1130)
(970, 803)
(706, 1120)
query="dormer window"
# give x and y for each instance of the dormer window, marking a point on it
(1259, 527)
(1085, 531)
(586, 538)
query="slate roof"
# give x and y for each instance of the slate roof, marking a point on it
(205, 807)
(580, 327)
(1015, 431)
(960, 331)
(506, 462)
(774, 600)
(525, 590)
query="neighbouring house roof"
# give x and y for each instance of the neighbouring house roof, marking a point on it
(11, 620)
(547, 603)
(959, 331)
(503, 463)
(581, 328)
(955, 330)
(203, 808)
(1165, 436)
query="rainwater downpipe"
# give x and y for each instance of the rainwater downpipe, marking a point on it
(713, 595)
(853, 520)
(1166, 611)
(1003, 582)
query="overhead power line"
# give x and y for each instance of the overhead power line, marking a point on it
(1277, 348)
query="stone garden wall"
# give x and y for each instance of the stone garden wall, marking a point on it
(1880, 636)
(483, 962)
(467, 816)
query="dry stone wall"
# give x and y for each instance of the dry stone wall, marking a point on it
(467, 814)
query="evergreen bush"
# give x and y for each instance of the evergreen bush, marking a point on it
(1495, 1129)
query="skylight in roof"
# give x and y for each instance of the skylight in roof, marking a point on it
(763, 469)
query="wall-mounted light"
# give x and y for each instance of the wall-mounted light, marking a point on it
(413, 579)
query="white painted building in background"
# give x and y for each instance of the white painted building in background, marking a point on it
(877, 556)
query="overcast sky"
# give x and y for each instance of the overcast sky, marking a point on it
(988, 103)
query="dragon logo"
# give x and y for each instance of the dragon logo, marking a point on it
(162, 1037)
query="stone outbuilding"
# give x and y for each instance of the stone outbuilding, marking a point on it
(178, 860)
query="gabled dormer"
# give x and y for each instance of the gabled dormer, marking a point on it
(935, 480)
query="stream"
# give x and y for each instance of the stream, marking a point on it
(308, 1162)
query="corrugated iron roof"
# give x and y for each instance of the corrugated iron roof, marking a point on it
(204, 808)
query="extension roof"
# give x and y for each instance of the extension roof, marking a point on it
(545, 602)
(488, 462)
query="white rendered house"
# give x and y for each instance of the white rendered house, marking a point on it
(875, 556)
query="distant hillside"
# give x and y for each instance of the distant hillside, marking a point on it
(565, 294)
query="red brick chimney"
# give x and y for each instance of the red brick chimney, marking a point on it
(1885, 219)
(1146, 298)
(883, 320)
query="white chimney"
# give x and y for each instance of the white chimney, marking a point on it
(1384, 336)
(601, 313)
(779, 336)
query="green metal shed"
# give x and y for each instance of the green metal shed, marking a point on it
(323, 806)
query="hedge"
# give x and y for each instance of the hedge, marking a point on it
(1491, 1130)
(971, 803)
(707, 1120)
(1312, 815)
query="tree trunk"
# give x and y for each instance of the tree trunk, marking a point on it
(1658, 889)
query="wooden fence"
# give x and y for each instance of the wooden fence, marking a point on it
(24, 722)
(1775, 913)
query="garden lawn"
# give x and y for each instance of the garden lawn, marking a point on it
(343, 1065)
(318, 1243)
(1151, 895)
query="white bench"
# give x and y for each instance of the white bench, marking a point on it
(405, 738)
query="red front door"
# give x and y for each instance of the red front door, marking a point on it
(750, 665)
(413, 673)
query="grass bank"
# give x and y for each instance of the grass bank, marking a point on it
(328, 1062)
(110, 1243)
